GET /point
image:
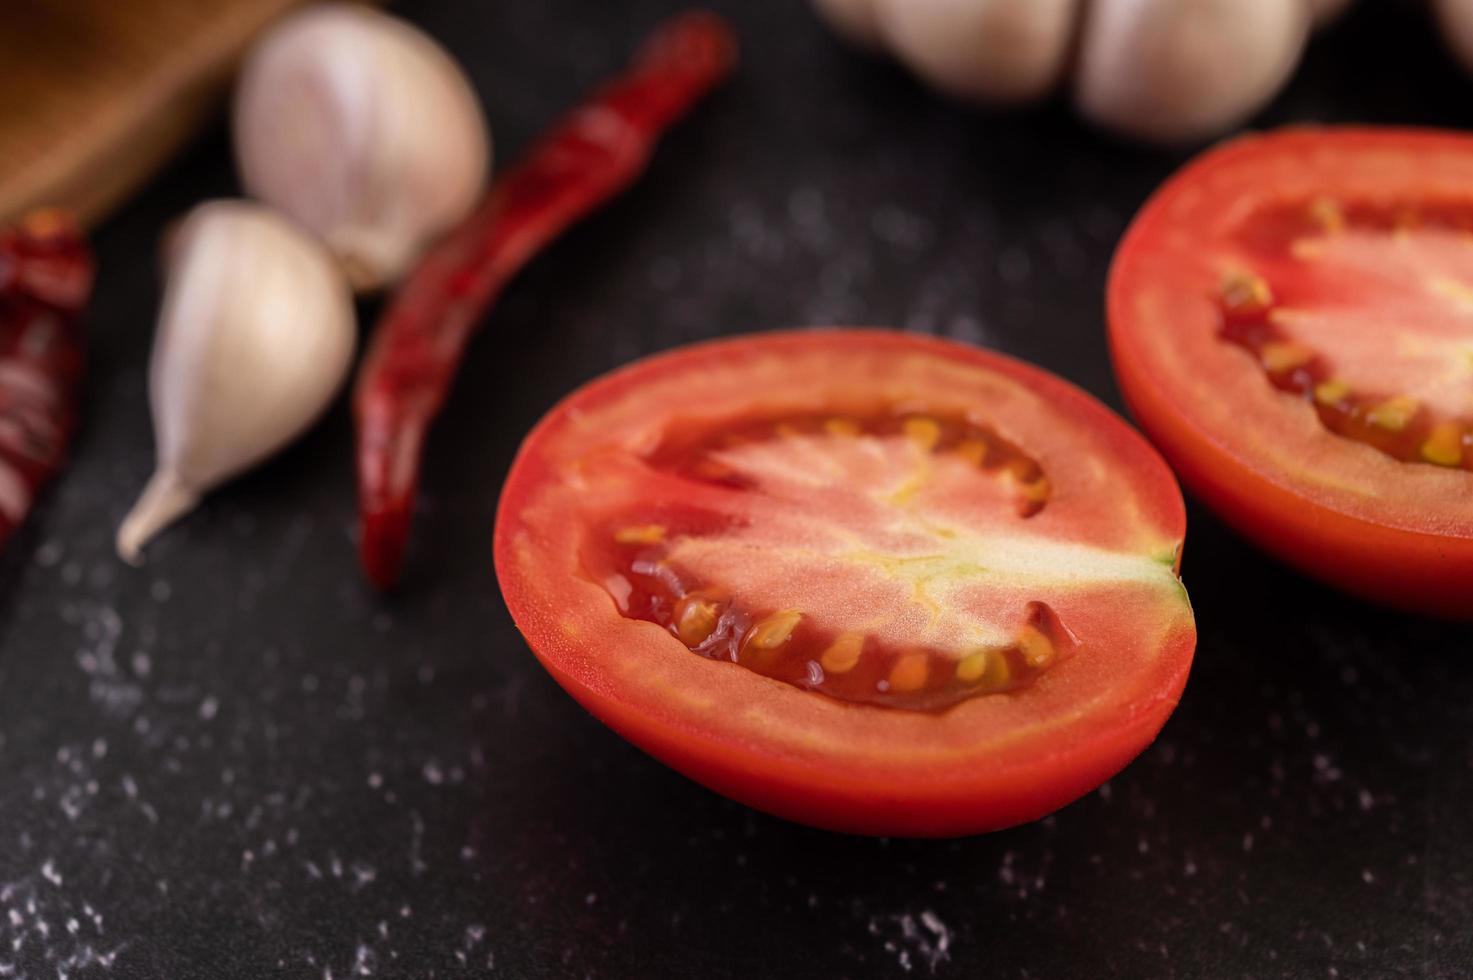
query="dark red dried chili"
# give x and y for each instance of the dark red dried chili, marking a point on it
(590, 156)
(45, 281)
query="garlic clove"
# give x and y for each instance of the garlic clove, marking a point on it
(1324, 11)
(993, 50)
(364, 131)
(853, 20)
(1455, 17)
(1175, 71)
(165, 499)
(255, 336)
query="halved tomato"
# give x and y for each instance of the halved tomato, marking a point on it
(863, 580)
(1291, 319)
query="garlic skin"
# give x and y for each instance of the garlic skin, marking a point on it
(364, 131)
(999, 51)
(255, 336)
(1174, 71)
(853, 20)
(1455, 17)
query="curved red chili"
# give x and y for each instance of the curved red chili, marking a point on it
(595, 152)
(45, 281)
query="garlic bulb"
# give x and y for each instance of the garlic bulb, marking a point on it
(364, 131)
(1181, 70)
(255, 335)
(993, 50)
(853, 19)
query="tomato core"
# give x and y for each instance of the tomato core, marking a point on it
(635, 555)
(1335, 241)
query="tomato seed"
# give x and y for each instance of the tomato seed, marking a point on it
(773, 632)
(695, 619)
(1244, 293)
(974, 451)
(1444, 444)
(924, 432)
(1038, 649)
(843, 653)
(640, 534)
(1393, 414)
(1326, 213)
(909, 673)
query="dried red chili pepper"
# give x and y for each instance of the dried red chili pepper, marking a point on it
(590, 156)
(45, 280)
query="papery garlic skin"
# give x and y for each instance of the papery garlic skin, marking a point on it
(255, 336)
(364, 131)
(1175, 71)
(998, 51)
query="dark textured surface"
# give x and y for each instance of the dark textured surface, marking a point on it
(236, 763)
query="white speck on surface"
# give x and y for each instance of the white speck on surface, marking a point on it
(209, 707)
(922, 936)
(49, 872)
(363, 874)
(903, 229)
(417, 865)
(49, 554)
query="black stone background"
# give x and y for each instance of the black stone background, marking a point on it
(238, 763)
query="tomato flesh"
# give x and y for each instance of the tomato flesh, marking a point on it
(1291, 319)
(1300, 346)
(638, 557)
(863, 580)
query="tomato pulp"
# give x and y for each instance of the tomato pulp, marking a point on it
(864, 580)
(1291, 320)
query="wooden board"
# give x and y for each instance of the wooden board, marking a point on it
(95, 94)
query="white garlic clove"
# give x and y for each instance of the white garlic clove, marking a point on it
(1456, 20)
(364, 131)
(1175, 71)
(992, 50)
(1324, 11)
(255, 336)
(853, 20)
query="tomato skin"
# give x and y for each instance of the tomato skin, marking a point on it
(806, 757)
(1414, 571)
(874, 803)
(1422, 562)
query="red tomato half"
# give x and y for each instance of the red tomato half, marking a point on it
(1291, 319)
(867, 581)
